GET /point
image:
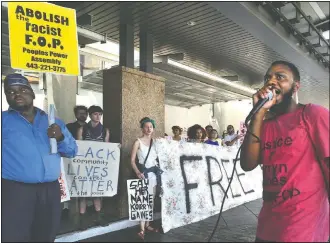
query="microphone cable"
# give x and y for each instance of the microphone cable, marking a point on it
(231, 179)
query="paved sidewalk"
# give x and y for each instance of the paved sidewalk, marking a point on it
(236, 225)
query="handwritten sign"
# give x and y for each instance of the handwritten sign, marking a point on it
(140, 200)
(43, 38)
(195, 179)
(65, 195)
(94, 171)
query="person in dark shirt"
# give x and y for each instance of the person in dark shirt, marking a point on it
(93, 131)
(80, 113)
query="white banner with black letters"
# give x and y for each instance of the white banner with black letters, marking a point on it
(94, 171)
(195, 179)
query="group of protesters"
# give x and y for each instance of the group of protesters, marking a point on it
(27, 187)
(91, 131)
(208, 135)
(281, 132)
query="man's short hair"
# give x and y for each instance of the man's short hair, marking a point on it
(79, 107)
(94, 108)
(293, 68)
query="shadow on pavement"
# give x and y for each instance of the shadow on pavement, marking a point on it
(236, 225)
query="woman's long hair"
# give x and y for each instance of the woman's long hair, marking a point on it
(192, 132)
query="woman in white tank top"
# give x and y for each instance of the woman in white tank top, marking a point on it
(140, 150)
(151, 161)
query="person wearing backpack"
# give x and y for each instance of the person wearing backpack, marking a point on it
(93, 131)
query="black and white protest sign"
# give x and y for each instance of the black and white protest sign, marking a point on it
(140, 200)
(94, 171)
(195, 179)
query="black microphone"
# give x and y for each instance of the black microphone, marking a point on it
(258, 106)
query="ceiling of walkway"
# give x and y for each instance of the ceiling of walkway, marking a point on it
(213, 40)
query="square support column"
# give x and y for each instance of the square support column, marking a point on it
(128, 96)
(126, 36)
(146, 51)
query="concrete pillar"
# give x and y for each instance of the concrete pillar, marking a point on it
(126, 36)
(146, 51)
(128, 96)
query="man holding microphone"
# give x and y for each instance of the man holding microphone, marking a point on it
(293, 151)
(31, 200)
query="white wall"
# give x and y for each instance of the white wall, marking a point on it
(225, 113)
(232, 113)
(185, 118)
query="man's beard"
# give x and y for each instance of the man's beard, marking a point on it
(81, 119)
(284, 104)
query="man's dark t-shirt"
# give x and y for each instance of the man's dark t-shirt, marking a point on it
(73, 128)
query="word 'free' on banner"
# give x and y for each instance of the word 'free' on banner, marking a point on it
(195, 179)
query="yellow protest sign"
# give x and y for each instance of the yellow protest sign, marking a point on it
(43, 38)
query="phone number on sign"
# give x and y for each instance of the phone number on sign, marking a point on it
(46, 67)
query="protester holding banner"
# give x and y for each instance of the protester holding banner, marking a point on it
(177, 131)
(213, 139)
(31, 197)
(231, 138)
(294, 152)
(147, 166)
(80, 113)
(93, 131)
(208, 130)
(196, 134)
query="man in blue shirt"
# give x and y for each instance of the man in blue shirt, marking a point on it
(31, 200)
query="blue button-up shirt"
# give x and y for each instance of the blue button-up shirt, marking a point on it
(26, 148)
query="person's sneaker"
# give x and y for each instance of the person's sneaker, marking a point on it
(83, 222)
(100, 219)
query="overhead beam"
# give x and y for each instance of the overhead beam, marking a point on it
(317, 10)
(252, 18)
(197, 82)
(323, 25)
